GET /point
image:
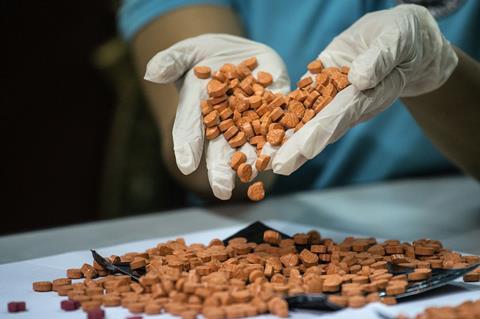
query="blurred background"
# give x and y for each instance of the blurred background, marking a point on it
(78, 143)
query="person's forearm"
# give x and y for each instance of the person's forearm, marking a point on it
(450, 115)
(162, 99)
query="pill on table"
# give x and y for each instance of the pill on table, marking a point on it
(308, 258)
(96, 314)
(88, 306)
(16, 306)
(238, 140)
(471, 277)
(357, 301)
(256, 192)
(69, 305)
(138, 263)
(61, 281)
(153, 308)
(216, 88)
(419, 274)
(272, 237)
(202, 72)
(262, 162)
(264, 78)
(332, 283)
(341, 301)
(244, 172)
(237, 159)
(74, 273)
(42, 286)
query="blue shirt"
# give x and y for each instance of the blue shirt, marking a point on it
(388, 146)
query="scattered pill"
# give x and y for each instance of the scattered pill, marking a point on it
(42, 286)
(202, 72)
(256, 192)
(262, 162)
(244, 172)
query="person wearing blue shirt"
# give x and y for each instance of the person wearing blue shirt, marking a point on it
(430, 130)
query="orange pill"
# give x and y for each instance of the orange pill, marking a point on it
(298, 127)
(211, 119)
(212, 132)
(276, 113)
(289, 120)
(226, 113)
(251, 63)
(296, 108)
(304, 82)
(255, 101)
(230, 132)
(248, 130)
(219, 76)
(330, 90)
(275, 137)
(42, 286)
(216, 100)
(309, 114)
(340, 81)
(225, 125)
(202, 72)
(315, 66)
(264, 78)
(216, 88)
(256, 192)
(321, 103)
(262, 162)
(237, 159)
(205, 107)
(322, 79)
(74, 273)
(256, 127)
(244, 172)
(258, 140)
(238, 140)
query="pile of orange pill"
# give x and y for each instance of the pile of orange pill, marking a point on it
(242, 108)
(466, 310)
(243, 279)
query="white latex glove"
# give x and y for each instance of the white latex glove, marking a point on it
(391, 53)
(175, 64)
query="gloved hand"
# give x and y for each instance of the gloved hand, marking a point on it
(175, 64)
(391, 53)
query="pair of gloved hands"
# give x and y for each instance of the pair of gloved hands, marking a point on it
(392, 53)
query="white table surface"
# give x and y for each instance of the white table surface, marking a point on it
(445, 208)
(17, 278)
